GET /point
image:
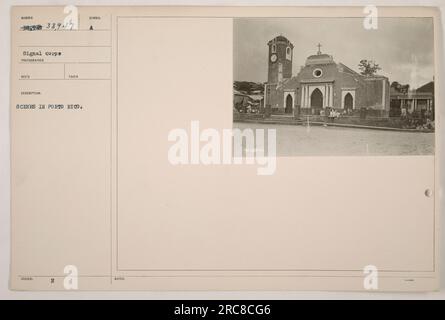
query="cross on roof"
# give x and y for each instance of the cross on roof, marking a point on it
(319, 46)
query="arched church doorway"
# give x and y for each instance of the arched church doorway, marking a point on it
(289, 104)
(349, 101)
(317, 99)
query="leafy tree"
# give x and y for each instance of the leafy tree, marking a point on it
(248, 87)
(395, 84)
(368, 67)
(402, 88)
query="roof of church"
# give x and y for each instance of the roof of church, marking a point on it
(321, 58)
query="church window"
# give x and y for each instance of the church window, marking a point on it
(274, 48)
(288, 53)
(317, 73)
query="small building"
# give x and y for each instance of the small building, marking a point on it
(417, 103)
(240, 100)
(245, 103)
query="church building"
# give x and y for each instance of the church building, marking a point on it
(321, 83)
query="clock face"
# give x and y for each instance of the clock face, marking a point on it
(273, 58)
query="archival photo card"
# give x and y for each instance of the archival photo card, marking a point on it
(225, 148)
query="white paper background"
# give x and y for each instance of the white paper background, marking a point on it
(5, 172)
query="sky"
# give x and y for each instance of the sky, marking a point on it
(403, 47)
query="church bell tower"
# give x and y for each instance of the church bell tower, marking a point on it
(280, 59)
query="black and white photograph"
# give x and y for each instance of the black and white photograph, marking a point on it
(331, 86)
